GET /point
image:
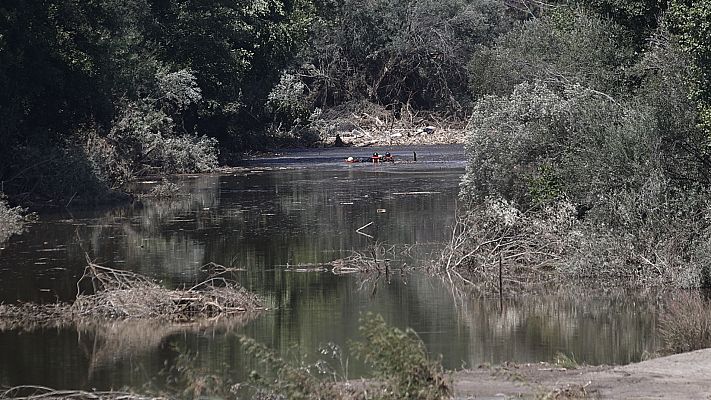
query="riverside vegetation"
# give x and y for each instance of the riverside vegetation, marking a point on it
(400, 364)
(401, 367)
(11, 219)
(589, 122)
(588, 151)
(98, 93)
(596, 109)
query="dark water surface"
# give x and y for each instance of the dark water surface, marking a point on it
(300, 208)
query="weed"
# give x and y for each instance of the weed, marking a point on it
(685, 323)
(187, 381)
(292, 382)
(565, 361)
(164, 190)
(11, 219)
(574, 391)
(401, 369)
(399, 359)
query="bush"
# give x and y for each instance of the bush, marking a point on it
(11, 219)
(541, 142)
(287, 380)
(529, 246)
(399, 360)
(287, 101)
(685, 323)
(55, 173)
(401, 369)
(390, 52)
(635, 180)
(145, 138)
(567, 46)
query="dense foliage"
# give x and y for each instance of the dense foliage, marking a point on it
(577, 110)
(603, 106)
(97, 92)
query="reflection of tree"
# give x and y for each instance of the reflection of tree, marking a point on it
(255, 221)
(312, 216)
(105, 344)
(533, 328)
(158, 239)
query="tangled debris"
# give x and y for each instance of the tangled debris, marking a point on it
(28, 392)
(366, 124)
(44, 393)
(118, 295)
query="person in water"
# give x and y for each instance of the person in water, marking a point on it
(375, 158)
(388, 157)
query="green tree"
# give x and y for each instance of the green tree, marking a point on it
(394, 52)
(689, 20)
(566, 46)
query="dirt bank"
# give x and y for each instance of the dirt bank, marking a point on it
(681, 376)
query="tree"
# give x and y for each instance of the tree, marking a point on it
(689, 20)
(566, 46)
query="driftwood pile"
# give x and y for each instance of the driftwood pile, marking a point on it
(366, 124)
(44, 393)
(117, 295)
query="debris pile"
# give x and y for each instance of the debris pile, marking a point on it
(366, 124)
(123, 295)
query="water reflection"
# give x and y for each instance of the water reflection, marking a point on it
(265, 221)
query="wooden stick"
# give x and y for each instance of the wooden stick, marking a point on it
(358, 231)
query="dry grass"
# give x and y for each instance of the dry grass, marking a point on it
(685, 323)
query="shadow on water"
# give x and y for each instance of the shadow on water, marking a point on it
(302, 208)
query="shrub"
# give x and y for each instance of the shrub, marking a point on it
(287, 101)
(164, 190)
(528, 245)
(641, 221)
(567, 46)
(573, 142)
(145, 138)
(11, 219)
(399, 359)
(56, 172)
(685, 323)
(401, 369)
(293, 382)
(563, 360)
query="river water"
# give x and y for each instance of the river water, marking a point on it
(283, 212)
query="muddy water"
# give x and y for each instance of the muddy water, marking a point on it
(297, 209)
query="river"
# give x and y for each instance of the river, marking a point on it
(300, 208)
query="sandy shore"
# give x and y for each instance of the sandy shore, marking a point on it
(681, 376)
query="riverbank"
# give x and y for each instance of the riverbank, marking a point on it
(680, 376)
(363, 124)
